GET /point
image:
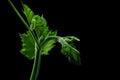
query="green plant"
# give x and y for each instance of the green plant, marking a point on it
(39, 40)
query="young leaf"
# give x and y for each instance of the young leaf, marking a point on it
(69, 51)
(28, 13)
(28, 45)
(48, 46)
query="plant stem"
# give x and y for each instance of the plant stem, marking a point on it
(24, 22)
(37, 59)
(36, 65)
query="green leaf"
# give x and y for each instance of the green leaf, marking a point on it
(28, 13)
(48, 46)
(39, 21)
(69, 50)
(36, 22)
(28, 45)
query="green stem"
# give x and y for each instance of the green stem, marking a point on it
(25, 23)
(36, 65)
(37, 59)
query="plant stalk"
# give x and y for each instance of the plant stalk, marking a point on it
(36, 65)
(24, 22)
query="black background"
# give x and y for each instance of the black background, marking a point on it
(83, 19)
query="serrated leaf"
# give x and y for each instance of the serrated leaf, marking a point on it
(28, 13)
(39, 21)
(48, 46)
(28, 46)
(69, 51)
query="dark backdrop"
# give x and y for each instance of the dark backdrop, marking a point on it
(82, 19)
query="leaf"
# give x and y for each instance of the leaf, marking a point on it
(28, 46)
(28, 13)
(36, 22)
(69, 51)
(39, 21)
(49, 44)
